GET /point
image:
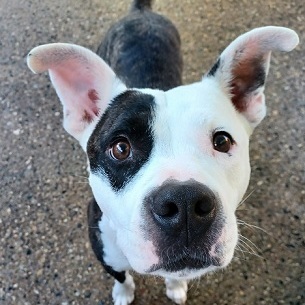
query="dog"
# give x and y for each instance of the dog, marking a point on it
(168, 163)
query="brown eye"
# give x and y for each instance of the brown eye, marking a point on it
(222, 141)
(120, 150)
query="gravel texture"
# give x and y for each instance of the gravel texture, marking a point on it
(45, 257)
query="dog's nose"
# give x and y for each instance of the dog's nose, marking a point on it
(183, 208)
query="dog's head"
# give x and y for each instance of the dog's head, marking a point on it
(168, 169)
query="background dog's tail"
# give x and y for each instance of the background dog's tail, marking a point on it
(141, 5)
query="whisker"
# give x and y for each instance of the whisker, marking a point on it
(245, 199)
(238, 248)
(194, 284)
(254, 254)
(248, 249)
(247, 239)
(244, 244)
(244, 250)
(240, 258)
(241, 222)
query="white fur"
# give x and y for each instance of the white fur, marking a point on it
(255, 43)
(176, 290)
(186, 118)
(74, 72)
(184, 151)
(123, 294)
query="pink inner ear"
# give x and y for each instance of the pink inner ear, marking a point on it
(257, 111)
(83, 82)
(75, 87)
(93, 95)
(89, 116)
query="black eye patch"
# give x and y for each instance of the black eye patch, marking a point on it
(131, 115)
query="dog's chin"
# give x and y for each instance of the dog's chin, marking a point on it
(192, 266)
(188, 268)
(185, 273)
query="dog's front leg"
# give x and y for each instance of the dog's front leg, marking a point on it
(123, 293)
(102, 240)
(176, 290)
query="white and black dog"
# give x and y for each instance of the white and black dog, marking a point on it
(168, 164)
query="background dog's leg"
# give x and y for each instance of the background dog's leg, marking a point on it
(123, 293)
(176, 290)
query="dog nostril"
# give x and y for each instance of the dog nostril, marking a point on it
(204, 207)
(168, 209)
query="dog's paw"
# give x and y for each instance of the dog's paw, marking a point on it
(123, 294)
(176, 290)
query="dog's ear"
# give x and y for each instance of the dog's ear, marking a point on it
(84, 83)
(242, 68)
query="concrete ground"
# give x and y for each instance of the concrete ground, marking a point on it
(45, 257)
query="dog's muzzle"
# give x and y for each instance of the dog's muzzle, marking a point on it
(183, 221)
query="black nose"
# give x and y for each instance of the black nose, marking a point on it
(183, 209)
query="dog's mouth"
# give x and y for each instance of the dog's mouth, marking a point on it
(182, 262)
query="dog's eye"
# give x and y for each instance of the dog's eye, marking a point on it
(120, 150)
(222, 141)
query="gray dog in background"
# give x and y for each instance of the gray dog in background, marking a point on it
(168, 164)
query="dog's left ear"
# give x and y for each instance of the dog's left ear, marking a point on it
(84, 83)
(242, 68)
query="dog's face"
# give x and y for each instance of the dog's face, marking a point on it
(168, 169)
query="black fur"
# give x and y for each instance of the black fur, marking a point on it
(130, 115)
(144, 50)
(214, 68)
(185, 240)
(141, 4)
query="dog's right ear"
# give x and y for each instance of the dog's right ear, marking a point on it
(84, 83)
(242, 68)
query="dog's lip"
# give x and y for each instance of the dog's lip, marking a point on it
(182, 263)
